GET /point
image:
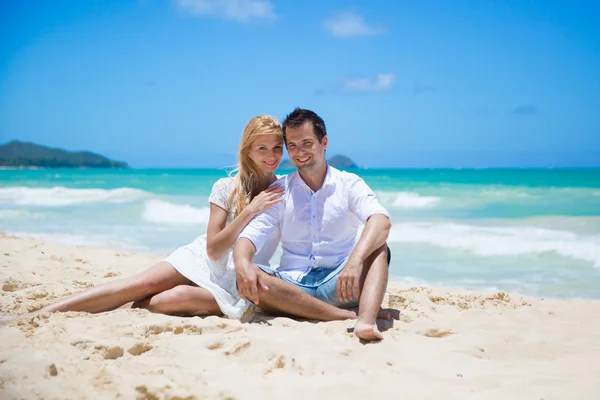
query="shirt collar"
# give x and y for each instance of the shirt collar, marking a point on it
(329, 179)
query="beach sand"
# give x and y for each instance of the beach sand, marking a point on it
(445, 344)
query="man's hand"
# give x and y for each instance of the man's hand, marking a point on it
(348, 285)
(248, 279)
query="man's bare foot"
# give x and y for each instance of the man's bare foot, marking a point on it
(384, 314)
(367, 332)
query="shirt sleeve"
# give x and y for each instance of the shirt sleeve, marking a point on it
(263, 225)
(220, 192)
(363, 202)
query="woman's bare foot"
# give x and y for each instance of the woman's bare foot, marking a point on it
(367, 332)
(7, 319)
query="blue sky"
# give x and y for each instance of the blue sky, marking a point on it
(162, 83)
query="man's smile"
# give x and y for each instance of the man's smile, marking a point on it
(302, 160)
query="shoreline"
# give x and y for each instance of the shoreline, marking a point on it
(470, 344)
(353, 169)
(399, 281)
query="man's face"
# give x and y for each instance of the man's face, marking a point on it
(304, 148)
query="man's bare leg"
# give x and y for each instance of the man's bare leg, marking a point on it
(285, 298)
(373, 290)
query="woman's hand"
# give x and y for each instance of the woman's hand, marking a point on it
(265, 199)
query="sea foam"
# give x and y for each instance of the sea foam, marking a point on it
(406, 199)
(17, 214)
(499, 241)
(414, 200)
(61, 196)
(163, 212)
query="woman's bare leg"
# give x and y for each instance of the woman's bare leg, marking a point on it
(182, 300)
(109, 296)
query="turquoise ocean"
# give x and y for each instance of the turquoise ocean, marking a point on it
(533, 231)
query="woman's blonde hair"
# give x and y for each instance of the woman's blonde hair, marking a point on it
(247, 172)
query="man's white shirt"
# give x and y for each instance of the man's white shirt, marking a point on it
(318, 229)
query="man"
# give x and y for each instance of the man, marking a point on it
(322, 272)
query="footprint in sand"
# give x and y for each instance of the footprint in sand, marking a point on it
(176, 330)
(216, 345)
(52, 370)
(29, 325)
(397, 301)
(13, 285)
(237, 348)
(278, 362)
(230, 346)
(139, 349)
(99, 351)
(143, 393)
(223, 328)
(82, 284)
(189, 329)
(437, 333)
(110, 353)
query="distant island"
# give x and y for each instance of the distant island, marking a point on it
(26, 154)
(337, 161)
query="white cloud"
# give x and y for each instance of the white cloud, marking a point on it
(350, 24)
(380, 83)
(237, 10)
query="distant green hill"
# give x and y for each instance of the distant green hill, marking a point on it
(337, 161)
(25, 154)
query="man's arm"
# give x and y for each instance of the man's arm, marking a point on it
(250, 241)
(246, 273)
(374, 235)
(376, 232)
(364, 204)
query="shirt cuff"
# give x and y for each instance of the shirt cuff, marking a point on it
(375, 212)
(255, 237)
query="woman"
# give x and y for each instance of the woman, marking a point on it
(199, 278)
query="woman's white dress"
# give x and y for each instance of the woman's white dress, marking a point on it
(218, 276)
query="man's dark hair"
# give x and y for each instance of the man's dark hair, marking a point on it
(299, 117)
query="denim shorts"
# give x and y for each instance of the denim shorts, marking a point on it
(320, 283)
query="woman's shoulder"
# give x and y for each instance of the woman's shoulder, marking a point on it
(223, 187)
(228, 180)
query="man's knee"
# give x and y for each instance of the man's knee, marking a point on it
(268, 280)
(381, 253)
(277, 287)
(388, 253)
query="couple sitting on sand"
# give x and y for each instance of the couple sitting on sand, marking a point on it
(316, 213)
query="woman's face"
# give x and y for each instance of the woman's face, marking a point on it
(266, 152)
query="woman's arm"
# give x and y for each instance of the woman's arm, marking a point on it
(221, 236)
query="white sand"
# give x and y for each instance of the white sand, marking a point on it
(446, 344)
